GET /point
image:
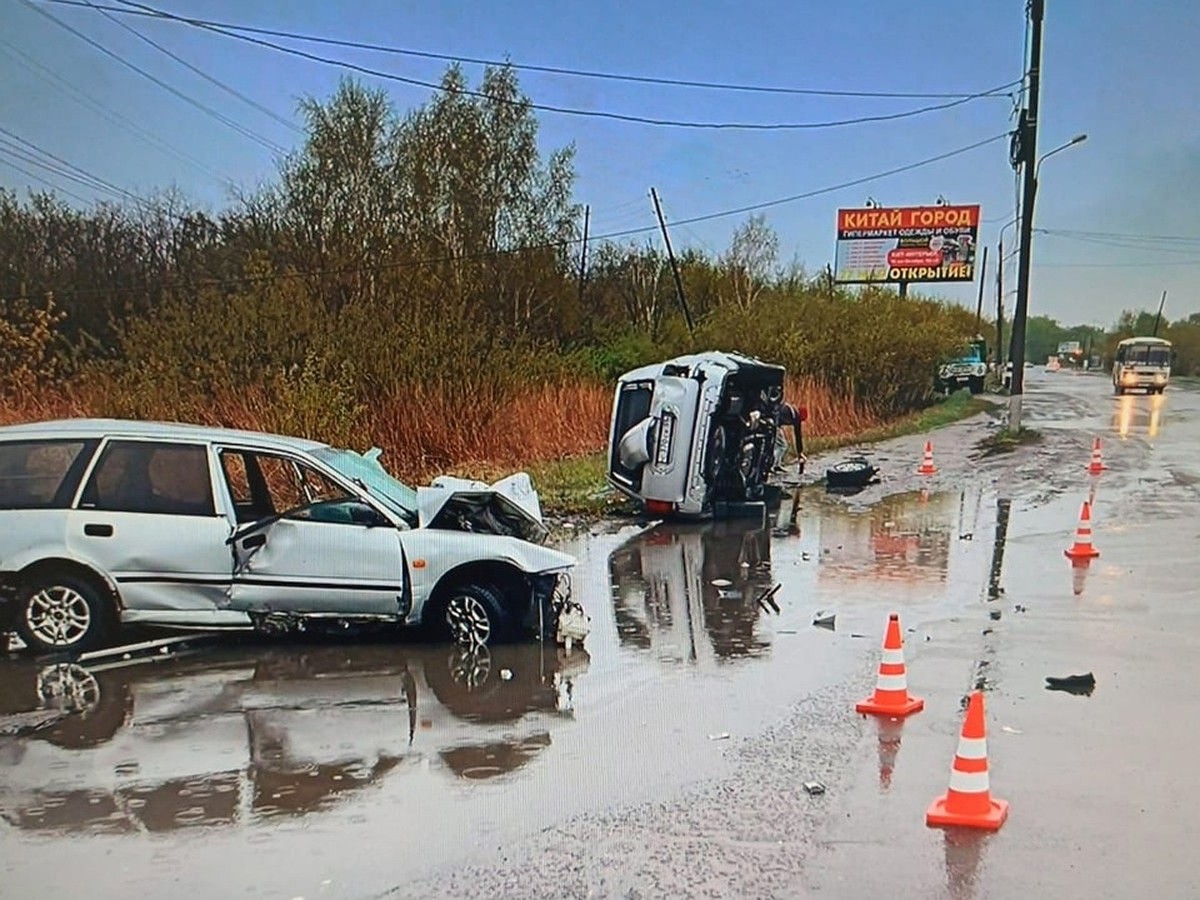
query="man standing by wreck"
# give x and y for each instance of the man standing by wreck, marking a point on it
(790, 416)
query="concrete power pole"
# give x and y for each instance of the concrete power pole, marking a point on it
(1026, 154)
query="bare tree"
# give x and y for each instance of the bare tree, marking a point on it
(750, 260)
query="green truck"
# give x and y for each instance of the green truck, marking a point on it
(966, 371)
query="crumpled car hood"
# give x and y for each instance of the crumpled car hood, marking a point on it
(509, 506)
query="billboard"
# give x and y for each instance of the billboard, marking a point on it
(1070, 348)
(906, 244)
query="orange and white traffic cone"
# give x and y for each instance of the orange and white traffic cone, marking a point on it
(1097, 464)
(891, 697)
(1082, 548)
(927, 466)
(968, 801)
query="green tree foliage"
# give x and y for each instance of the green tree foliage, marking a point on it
(395, 254)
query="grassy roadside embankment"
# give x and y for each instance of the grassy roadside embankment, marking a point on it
(576, 486)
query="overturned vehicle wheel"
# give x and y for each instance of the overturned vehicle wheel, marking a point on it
(853, 473)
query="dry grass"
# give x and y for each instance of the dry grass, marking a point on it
(428, 430)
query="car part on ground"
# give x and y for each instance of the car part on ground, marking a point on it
(855, 473)
(695, 436)
(106, 524)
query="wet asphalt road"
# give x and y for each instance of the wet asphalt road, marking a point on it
(668, 759)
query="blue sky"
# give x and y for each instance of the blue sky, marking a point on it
(1124, 73)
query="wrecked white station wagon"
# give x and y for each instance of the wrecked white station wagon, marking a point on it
(111, 522)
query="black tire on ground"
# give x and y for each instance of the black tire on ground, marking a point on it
(476, 614)
(851, 473)
(60, 613)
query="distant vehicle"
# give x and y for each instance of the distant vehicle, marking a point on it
(1142, 363)
(694, 437)
(966, 371)
(111, 522)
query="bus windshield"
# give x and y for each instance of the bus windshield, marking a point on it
(1147, 355)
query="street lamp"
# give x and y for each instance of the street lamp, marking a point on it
(1078, 139)
(1017, 346)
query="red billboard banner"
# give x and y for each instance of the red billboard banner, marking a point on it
(906, 244)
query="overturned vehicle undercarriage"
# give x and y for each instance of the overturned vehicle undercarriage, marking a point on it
(695, 436)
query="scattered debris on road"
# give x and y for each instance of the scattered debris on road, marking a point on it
(813, 788)
(723, 736)
(824, 619)
(1072, 684)
(768, 597)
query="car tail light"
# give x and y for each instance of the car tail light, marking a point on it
(660, 507)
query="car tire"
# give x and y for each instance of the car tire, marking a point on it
(715, 458)
(476, 614)
(852, 473)
(59, 613)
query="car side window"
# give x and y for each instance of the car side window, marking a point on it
(151, 477)
(265, 484)
(42, 474)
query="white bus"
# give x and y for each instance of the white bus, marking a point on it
(1142, 363)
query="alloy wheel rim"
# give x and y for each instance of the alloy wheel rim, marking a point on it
(468, 620)
(58, 616)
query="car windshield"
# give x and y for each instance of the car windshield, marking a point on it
(397, 495)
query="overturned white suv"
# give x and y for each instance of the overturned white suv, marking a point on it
(695, 436)
(111, 522)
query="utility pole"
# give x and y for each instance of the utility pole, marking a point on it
(1158, 318)
(1025, 152)
(587, 212)
(1000, 306)
(982, 279)
(687, 314)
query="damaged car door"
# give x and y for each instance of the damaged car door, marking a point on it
(306, 545)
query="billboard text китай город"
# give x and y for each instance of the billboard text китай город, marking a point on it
(906, 244)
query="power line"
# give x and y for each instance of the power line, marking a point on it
(68, 170)
(1063, 232)
(1118, 265)
(1122, 244)
(223, 119)
(564, 110)
(137, 9)
(846, 184)
(229, 89)
(55, 187)
(106, 113)
(568, 242)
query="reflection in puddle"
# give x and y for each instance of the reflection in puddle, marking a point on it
(1140, 415)
(248, 735)
(665, 598)
(904, 537)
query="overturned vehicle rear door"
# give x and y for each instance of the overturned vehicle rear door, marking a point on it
(654, 433)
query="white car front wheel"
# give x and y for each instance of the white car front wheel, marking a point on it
(475, 615)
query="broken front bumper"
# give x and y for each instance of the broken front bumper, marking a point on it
(554, 615)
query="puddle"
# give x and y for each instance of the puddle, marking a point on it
(245, 743)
